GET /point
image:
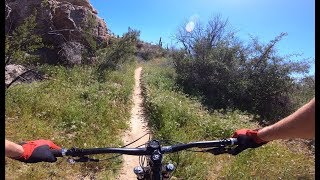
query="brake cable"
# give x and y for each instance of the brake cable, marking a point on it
(87, 159)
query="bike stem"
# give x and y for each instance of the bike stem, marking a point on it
(154, 148)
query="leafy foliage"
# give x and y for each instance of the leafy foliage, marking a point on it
(89, 36)
(148, 51)
(303, 91)
(119, 50)
(21, 44)
(226, 73)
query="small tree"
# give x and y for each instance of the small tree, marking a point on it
(88, 34)
(89, 38)
(202, 38)
(22, 43)
(119, 50)
(303, 91)
(226, 73)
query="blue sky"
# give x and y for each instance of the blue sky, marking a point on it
(264, 19)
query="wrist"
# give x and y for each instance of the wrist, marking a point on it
(14, 151)
(264, 135)
(19, 154)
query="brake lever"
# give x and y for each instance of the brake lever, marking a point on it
(82, 159)
(219, 150)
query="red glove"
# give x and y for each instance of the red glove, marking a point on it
(38, 151)
(247, 138)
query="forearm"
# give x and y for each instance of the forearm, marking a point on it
(13, 150)
(300, 124)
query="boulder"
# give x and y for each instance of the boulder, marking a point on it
(12, 71)
(16, 74)
(61, 24)
(71, 53)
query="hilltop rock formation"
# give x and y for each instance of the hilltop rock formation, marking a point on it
(63, 25)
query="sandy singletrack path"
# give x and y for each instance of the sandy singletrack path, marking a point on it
(138, 128)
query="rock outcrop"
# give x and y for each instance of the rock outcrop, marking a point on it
(62, 24)
(16, 74)
(12, 71)
(148, 51)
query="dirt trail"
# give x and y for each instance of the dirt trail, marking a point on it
(138, 127)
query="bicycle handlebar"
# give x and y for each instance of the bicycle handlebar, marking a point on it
(77, 152)
(200, 144)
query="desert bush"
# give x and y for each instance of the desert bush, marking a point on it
(149, 51)
(227, 73)
(303, 91)
(22, 43)
(90, 39)
(119, 50)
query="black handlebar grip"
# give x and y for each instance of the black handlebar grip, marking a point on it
(56, 152)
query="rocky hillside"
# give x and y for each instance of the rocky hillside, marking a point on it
(64, 25)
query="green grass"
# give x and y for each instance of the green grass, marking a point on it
(272, 161)
(73, 109)
(175, 116)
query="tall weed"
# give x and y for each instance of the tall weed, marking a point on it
(73, 109)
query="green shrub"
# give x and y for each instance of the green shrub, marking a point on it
(89, 36)
(226, 73)
(149, 51)
(119, 51)
(303, 91)
(22, 43)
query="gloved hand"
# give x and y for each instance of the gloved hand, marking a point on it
(38, 151)
(247, 138)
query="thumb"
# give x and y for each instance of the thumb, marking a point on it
(48, 156)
